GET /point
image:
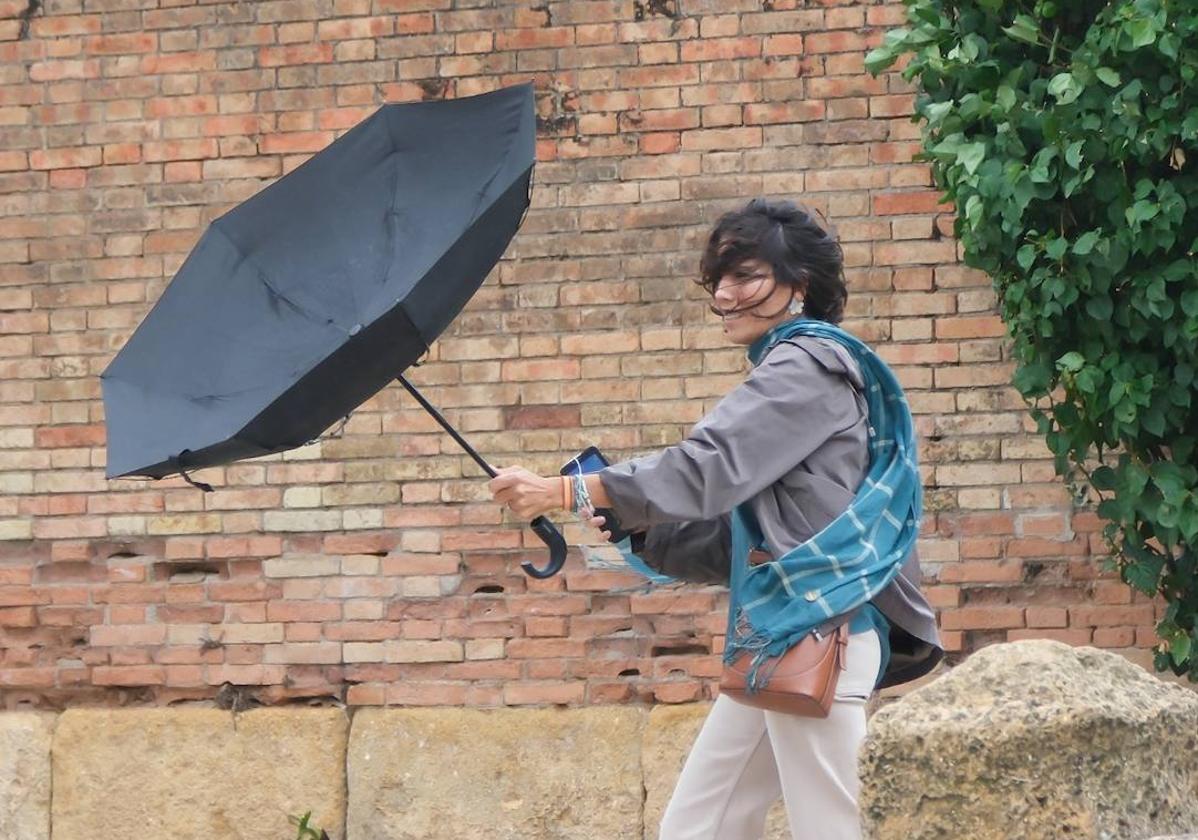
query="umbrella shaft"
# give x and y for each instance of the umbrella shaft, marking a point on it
(427, 406)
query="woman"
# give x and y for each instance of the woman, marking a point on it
(784, 457)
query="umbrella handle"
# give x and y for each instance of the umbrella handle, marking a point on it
(552, 537)
(541, 526)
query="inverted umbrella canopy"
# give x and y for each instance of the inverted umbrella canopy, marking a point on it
(299, 304)
(302, 302)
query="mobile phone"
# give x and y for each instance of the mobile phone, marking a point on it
(591, 460)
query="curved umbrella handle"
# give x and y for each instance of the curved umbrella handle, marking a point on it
(541, 526)
(552, 537)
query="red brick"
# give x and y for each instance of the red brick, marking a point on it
(824, 42)
(1047, 617)
(783, 112)
(133, 42)
(1110, 616)
(311, 141)
(135, 675)
(59, 436)
(887, 204)
(1069, 637)
(18, 617)
(295, 54)
(540, 37)
(718, 49)
(982, 618)
(542, 694)
(1114, 637)
(67, 158)
(660, 143)
(541, 417)
(979, 326)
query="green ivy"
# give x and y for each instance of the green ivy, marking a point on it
(1066, 136)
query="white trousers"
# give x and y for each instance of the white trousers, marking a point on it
(745, 758)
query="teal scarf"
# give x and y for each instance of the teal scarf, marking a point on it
(773, 605)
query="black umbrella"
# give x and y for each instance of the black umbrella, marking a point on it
(302, 302)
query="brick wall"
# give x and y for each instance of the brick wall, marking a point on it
(371, 566)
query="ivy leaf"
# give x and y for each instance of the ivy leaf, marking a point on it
(1024, 29)
(971, 156)
(1141, 31)
(1154, 421)
(879, 58)
(1169, 44)
(1187, 521)
(1179, 649)
(1100, 308)
(1086, 242)
(935, 112)
(1144, 575)
(1189, 303)
(1064, 88)
(1108, 76)
(1136, 480)
(1073, 154)
(1170, 482)
(1039, 171)
(1025, 256)
(1142, 211)
(1071, 361)
(1005, 97)
(1103, 478)
(927, 15)
(973, 210)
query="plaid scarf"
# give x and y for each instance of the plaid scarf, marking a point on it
(773, 605)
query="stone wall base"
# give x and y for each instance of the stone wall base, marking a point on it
(387, 774)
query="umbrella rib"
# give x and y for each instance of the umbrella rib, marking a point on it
(507, 153)
(265, 281)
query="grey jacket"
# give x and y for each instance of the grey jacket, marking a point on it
(792, 441)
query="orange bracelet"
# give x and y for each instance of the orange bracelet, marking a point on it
(566, 492)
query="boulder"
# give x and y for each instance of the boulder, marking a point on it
(507, 774)
(25, 739)
(197, 774)
(1034, 739)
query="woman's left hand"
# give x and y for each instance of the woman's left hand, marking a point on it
(599, 523)
(527, 494)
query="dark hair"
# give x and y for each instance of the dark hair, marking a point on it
(802, 254)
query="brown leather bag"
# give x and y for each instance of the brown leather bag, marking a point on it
(801, 681)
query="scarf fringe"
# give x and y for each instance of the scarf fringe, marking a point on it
(764, 648)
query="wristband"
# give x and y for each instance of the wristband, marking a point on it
(582, 496)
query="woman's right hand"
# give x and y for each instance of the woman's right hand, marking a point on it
(527, 494)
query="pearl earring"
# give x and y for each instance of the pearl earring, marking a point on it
(795, 307)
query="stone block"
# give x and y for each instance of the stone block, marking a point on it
(197, 774)
(509, 774)
(25, 739)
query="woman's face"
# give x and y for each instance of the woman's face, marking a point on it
(751, 301)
